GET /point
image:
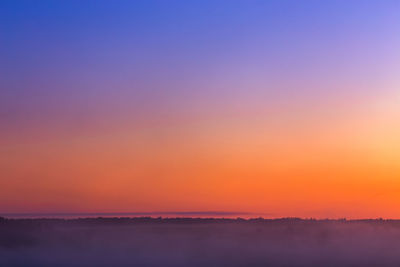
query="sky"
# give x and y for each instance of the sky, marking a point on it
(286, 108)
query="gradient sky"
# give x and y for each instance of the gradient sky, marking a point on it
(290, 108)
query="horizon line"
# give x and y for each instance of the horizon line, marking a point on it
(175, 214)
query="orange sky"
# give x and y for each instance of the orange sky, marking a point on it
(344, 166)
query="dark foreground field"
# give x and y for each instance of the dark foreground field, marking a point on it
(198, 242)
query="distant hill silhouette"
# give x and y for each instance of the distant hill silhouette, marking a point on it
(186, 220)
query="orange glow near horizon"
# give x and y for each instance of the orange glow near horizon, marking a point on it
(331, 169)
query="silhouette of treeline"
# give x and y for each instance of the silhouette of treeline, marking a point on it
(186, 220)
